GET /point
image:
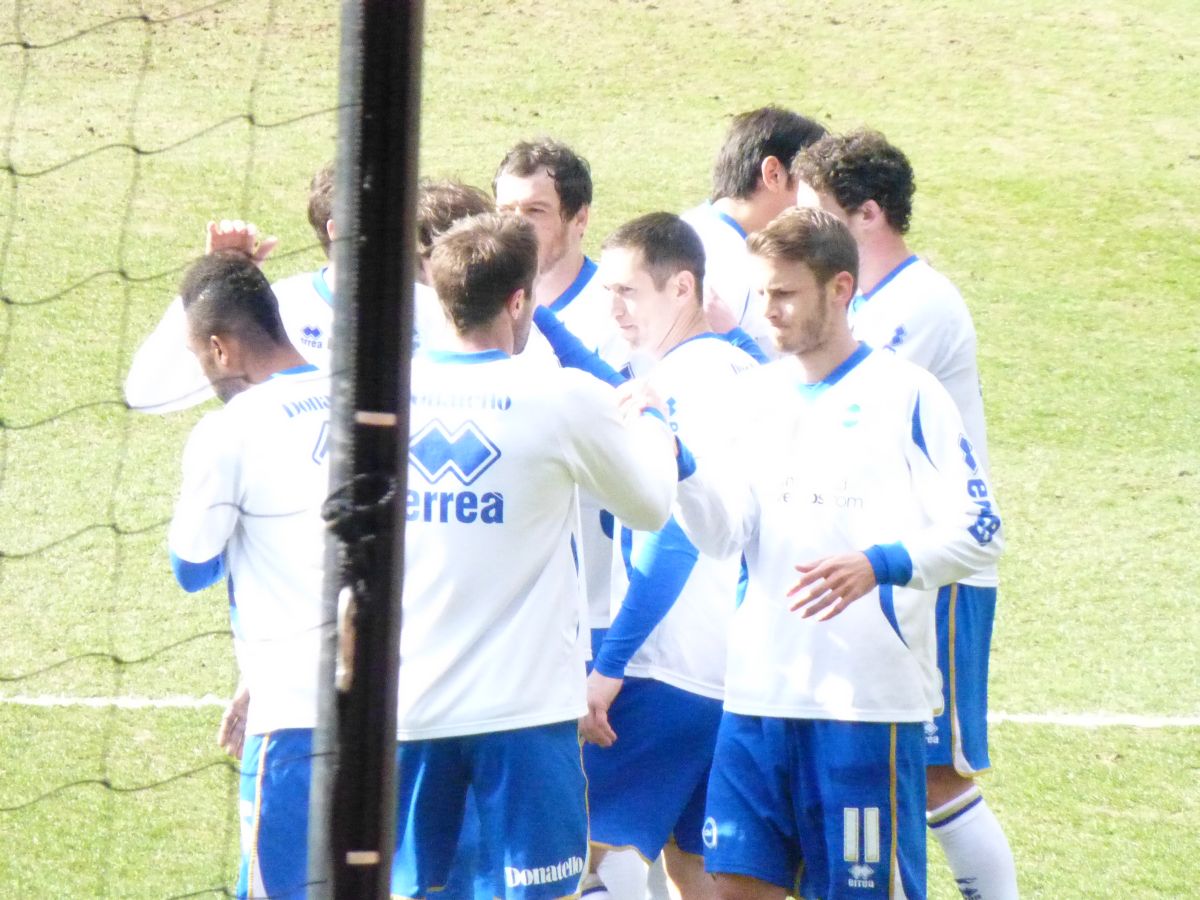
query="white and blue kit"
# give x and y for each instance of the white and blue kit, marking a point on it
(671, 614)
(493, 645)
(255, 474)
(919, 315)
(165, 377)
(727, 272)
(820, 753)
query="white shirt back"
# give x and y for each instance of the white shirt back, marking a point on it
(255, 474)
(492, 636)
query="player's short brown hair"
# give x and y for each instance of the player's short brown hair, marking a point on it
(816, 238)
(860, 166)
(320, 204)
(443, 202)
(570, 172)
(479, 263)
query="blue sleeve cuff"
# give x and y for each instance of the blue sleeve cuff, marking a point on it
(685, 463)
(572, 353)
(194, 577)
(651, 411)
(891, 563)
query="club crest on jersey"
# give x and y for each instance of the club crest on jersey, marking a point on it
(465, 452)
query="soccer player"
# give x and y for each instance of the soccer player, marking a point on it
(492, 651)
(849, 467)
(663, 659)
(751, 185)
(254, 476)
(907, 307)
(550, 185)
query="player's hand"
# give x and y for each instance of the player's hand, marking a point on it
(234, 234)
(637, 395)
(718, 313)
(231, 735)
(830, 584)
(601, 692)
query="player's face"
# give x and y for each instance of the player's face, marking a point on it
(799, 309)
(535, 198)
(644, 313)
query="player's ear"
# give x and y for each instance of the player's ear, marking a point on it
(219, 347)
(872, 214)
(685, 285)
(581, 218)
(841, 286)
(774, 174)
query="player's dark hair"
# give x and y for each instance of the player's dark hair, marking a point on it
(816, 238)
(479, 263)
(570, 172)
(442, 203)
(225, 293)
(668, 245)
(320, 204)
(752, 137)
(860, 166)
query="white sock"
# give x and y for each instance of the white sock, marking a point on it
(976, 848)
(624, 873)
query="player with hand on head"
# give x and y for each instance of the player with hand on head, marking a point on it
(654, 694)
(493, 681)
(912, 310)
(852, 491)
(751, 186)
(254, 476)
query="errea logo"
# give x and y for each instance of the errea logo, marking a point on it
(465, 452)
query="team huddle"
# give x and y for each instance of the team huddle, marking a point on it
(714, 507)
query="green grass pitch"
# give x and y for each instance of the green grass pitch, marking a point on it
(1057, 164)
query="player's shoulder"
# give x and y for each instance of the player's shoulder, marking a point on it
(922, 281)
(891, 373)
(311, 285)
(708, 355)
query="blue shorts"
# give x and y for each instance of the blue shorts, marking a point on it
(273, 797)
(530, 794)
(820, 808)
(958, 737)
(652, 782)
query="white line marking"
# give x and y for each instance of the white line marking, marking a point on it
(1096, 720)
(1067, 720)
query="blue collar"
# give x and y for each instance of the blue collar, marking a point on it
(462, 357)
(321, 285)
(814, 390)
(867, 295)
(730, 221)
(294, 370)
(586, 271)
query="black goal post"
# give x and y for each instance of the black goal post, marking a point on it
(353, 800)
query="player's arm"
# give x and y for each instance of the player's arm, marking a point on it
(965, 534)
(164, 376)
(572, 353)
(208, 507)
(657, 573)
(626, 462)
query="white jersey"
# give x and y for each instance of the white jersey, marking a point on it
(919, 315)
(687, 648)
(727, 271)
(872, 455)
(492, 637)
(165, 376)
(255, 474)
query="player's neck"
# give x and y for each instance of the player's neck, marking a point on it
(497, 335)
(689, 325)
(878, 256)
(550, 285)
(816, 365)
(747, 212)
